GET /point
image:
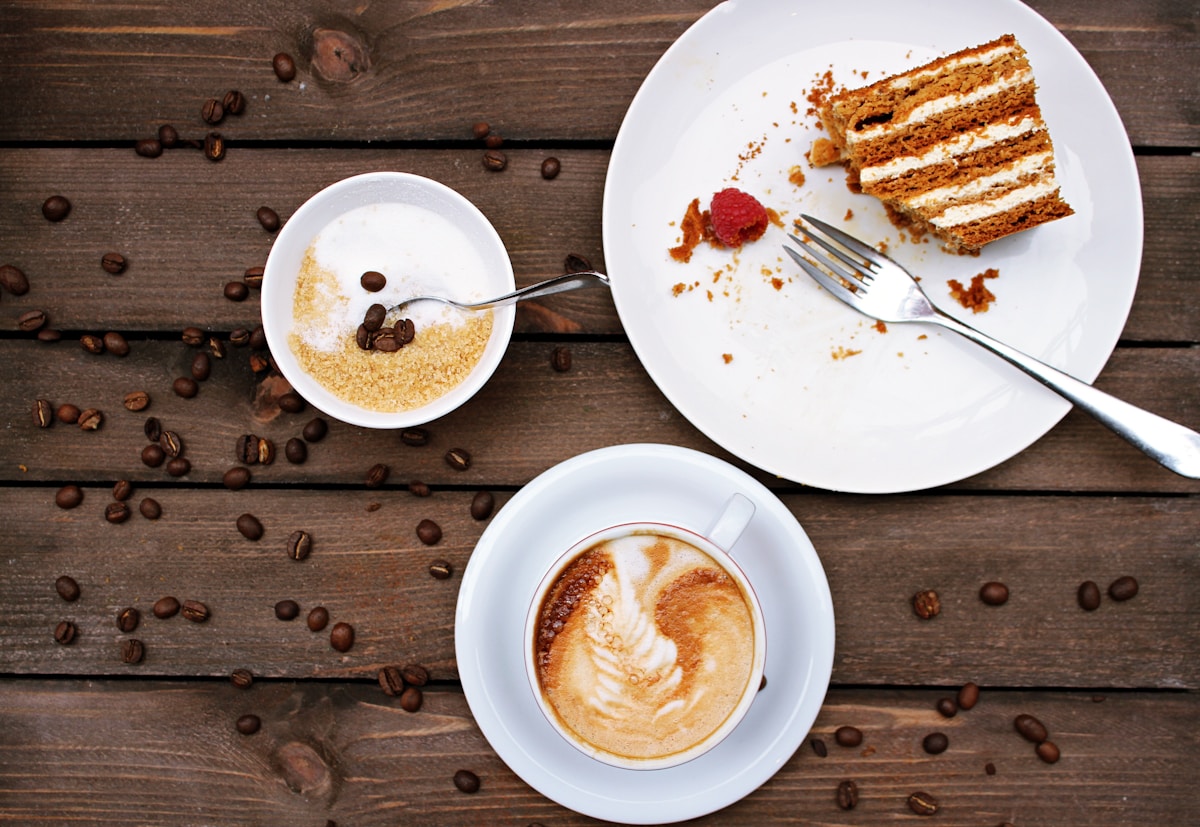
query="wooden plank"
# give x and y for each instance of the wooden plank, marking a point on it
(605, 399)
(369, 569)
(168, 754)
(419, 71)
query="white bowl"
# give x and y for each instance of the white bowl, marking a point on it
(385, 188)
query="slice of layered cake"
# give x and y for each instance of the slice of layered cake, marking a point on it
(956, 147)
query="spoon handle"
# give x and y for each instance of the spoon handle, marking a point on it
(558, 284)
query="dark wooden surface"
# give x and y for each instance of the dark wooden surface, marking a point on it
(87, 739)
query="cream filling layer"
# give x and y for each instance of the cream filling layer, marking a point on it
(1036, 164)
(948, 150)
(919, 76)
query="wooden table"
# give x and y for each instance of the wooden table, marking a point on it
(88, 739)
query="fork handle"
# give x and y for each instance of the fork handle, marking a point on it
(1167, 442)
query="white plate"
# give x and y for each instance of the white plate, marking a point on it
(635, 483)
(915, 407)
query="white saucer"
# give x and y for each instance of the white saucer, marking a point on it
(619, 484)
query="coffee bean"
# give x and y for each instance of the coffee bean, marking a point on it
(560, 359)
(482, 504)
(415, 437)
(458, 459)
(234, 102)
(165, 607)
(122, 490)
(926, 604)
(152, 428)
(341, 637)
(69, 496)
(153, 455)
(935, 743)
(236, 478)
(495, 160)
(178, 466)
(246, 449)
(989, 768)
(67, 414)
(429, 532)
(56, 208)
(440, 570)
(116, 344)
(923, 804)
(1123, 588)
(299, 545)
(67, 588)
(968, 695)
(1031, 728)
(466, 781)
(236, 291)
(249, 527)
(1088, 596)
(168, 136)
(90, 419)
(266, 451)
(31, 320)
(43, 413)
(149, 508)
(239, 337)
(92, 344)
(292, 402)
(575, 263)
(480, 129)
(848, 736)
(296, 450)
(14, 280)
(65, 632)
(148, 147)
(268, 218)
(994, 593)
(550, 168)
(113, 263)
(373, 281)
(193, 336)
(49, 335)
(318, 618)
(201, 367)
(406, 331)
(415, 675)
(287, 610)
(128, 619)
(132, 651)
(385, 340)
(377, 475)
(373, 318)
(819, 748)
(171, 443)
(1048, 751)
(493, 140)
(212, 112)
(847, 795)
(214, 146)
(117, 512)
(241, 678)
(248, 724)
(284, 66)
(136, 401)
(948, 707)
(411, 699)
(194, 611)
(419, 489)
(390, 680)
(259, 363)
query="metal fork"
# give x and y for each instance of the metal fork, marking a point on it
(876, 286)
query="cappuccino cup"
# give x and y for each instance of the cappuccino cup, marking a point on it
(645, 642)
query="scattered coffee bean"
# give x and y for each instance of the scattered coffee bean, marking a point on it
(56, 208)
(149, 508)
(246, 449)
(560, 359)
(236, 291)
(148, 147)
(287, 610)
(201, 367)
(299, 545)
(848, 736)
(90, 419)
(415, 437)
(194, 611)
(249, 527)
(385, 340)
(239, 337)
(69, 496)
(67, 588)
(178, 466)
(214, 146)
(315, 430)
(926, 604)
(948, 707)
(318, 618)
(292, 402)
(153, 455)
(819, 748)
(241, 678)
(295, 450)
(406, 331)
(935, 743)
(419, 489)
(171, 443)
(128, 619)
(49, 335)
(168, 136)
(1048, 751)
(415, 675)
(92, 344)
(373, 281)
(253, 277)
(193, 336)
(847, 795)
(266, 451)
(493, 140)
(341, 637)
(65, 632)
(1088, 596)
(466, 781)
(1031, 728)
(550, 168)
(989, 768)
(377, 475)
(43, 413)
(575, 263)
(480, 129)
(373, 318)
(113, 263)
(31, 320)
(284, 66)
(994, 593)
(117, 512)
(248, 724)
(390, 680)
(212, 112)
(268, 218)
(923, 804)
(1123, 588)
(429, 532)
(482, 505)
(132, 651)
(411, 699)
(116, 344)
(440, 570)
(458, 459)
(122, 490)
(234, 102)
(495, 160)
(136, 401)
(14, 280)
(258, 338)
(67, 414)
(152, 428)
(968, 695)
(165, 607)
(236, 478)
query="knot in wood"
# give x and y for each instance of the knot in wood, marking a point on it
(338, 56)
(303, 769)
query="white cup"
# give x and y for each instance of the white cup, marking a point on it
(639, 687)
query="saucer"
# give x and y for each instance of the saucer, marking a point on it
(641, 483)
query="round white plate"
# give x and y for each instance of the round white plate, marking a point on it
(635, 483)
(783, 375)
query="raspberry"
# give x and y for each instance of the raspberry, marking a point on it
(737, 217)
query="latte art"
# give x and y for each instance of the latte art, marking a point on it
(644, 646)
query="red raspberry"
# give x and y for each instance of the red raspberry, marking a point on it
(737, 217)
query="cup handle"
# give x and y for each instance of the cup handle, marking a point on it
(734, 518)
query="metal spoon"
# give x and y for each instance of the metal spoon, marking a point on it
(558, 284)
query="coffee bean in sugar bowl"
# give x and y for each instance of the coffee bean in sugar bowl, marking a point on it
(423, 238)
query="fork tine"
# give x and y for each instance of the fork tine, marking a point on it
(862, 270)
(851, 243)
(821, 277)
(841, 272)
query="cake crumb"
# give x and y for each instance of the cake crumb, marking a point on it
(976, 298)
(880, 325)
(844, 353)
(796, 176)
(728, 357)
(693, 229)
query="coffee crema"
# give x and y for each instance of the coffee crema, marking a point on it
(644, 646)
